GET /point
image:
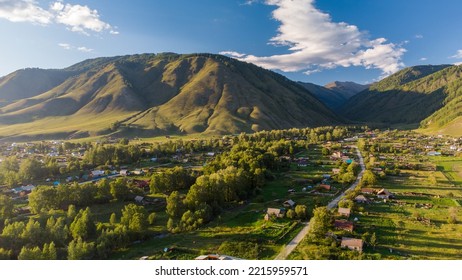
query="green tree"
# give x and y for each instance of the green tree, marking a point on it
(83, 226)
(71, 212)
(6, 207)
(57, 230)
(30, 253)
(175, 206)
(369, 178)
(5, 254)
(152, 218)
(119, 189)
(320, 223)
(301, 211)
(80, 250)
(43, 198)
(113, 219)
(291, 214)
(373, 240)
(33, 232)
(49, 251)
(134, 217)
(31, 169)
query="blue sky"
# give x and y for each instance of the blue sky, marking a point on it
(307, 40)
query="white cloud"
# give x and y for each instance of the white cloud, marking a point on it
(458, 54)
(418, 36)
(77, 18)
(250, 2)
(423, 59)
(84, 49)
(24, 11)
(67, 46)
(315, 42)
(233, 54)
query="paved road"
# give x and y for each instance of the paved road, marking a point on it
(285, 252)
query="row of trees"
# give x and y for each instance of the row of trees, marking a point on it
(74, 236)
(45, 198)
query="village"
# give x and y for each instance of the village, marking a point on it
(398, 167)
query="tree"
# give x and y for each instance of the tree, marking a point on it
(33, 233)
(113, 219)
(175, 206)
(119, 189)
(301, 211)
(152, 218)
(369, 178)
(30, 169)
(71, 212)
(291, 214)
(30, 254)
(83, 226)
(373, 240)
(6, 207)
(320, 222)
(49, 252)
(43, 198)
(134, 217)
(80, 250)
(57, 230)
(5, 254)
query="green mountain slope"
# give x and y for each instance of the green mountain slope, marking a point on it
(406, 97)
(158, 94)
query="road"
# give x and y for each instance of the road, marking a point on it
(285, 252)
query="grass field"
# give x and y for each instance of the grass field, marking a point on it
(418, 227)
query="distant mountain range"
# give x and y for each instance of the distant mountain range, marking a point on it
(334, 94)
(154, 95)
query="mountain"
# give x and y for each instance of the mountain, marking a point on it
(334, 94)
(347, 89)
(329, 97)
(152, 94)
(404, 98)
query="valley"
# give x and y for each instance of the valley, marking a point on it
(204, 197)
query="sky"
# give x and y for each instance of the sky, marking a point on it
(316, 41)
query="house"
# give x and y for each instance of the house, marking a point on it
(138, 172)
(384, 194)
(97, 173)
(23, 189)
(325, 187)
(346, 212)
(367, 191)
(215, 257)
(352, 244)
(303, 163)
(124, 172)
(335, 171)
(139, 199)
(277, 212)
(361, 199)
(344, 225)
(289, 203)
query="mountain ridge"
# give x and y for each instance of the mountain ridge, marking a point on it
(157, 94)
